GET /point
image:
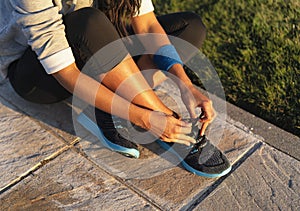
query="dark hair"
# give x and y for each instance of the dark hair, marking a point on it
(119, 12)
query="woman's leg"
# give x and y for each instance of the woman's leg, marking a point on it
(114, 67)
(30, 80)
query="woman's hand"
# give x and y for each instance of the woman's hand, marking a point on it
(169, 129)
(193, 98)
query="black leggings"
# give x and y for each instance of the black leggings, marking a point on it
(87, 31)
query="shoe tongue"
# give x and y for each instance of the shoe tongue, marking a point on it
(201, 143)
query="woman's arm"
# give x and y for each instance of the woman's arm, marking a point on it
(191, 96)
(94, 93)
(91, 91)
(148, 23)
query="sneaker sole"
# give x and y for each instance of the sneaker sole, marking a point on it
(92, 127)
(188, 167)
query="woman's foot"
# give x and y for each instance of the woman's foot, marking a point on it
(202, 158)
(106, 132)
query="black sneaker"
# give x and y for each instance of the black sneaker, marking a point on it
(103, 128)
(202, 158)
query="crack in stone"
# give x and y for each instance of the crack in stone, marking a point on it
(38, 166)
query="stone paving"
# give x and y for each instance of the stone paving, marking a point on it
(46, 165)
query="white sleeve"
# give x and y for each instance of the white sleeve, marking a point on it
(146, 7)
(43, 27)
(58, 61)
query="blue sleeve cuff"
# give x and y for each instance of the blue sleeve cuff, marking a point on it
(166, 56)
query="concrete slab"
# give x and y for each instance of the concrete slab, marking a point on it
(177, 189)
(71, 182)
(23, 142)
(56, 117)
(268, 180)
(157, 173)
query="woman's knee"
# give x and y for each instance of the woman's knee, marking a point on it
(195, 21)
(185, 25)
(196, 30)
(90, 22)
(91, 34)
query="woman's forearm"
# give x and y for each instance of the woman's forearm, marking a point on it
(94, 93)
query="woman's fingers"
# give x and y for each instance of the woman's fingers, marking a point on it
(207, 116)
(203, 128)
(209, 112)
(180, 139)
(181, 126)
(170, 129)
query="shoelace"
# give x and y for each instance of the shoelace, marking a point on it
(201, 141)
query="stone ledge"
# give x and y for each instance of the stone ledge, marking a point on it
(272, 135)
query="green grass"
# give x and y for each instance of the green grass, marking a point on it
(254, 46)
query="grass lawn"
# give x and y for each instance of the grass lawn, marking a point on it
(254, 46)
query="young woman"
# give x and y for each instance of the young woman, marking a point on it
(44, 44)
